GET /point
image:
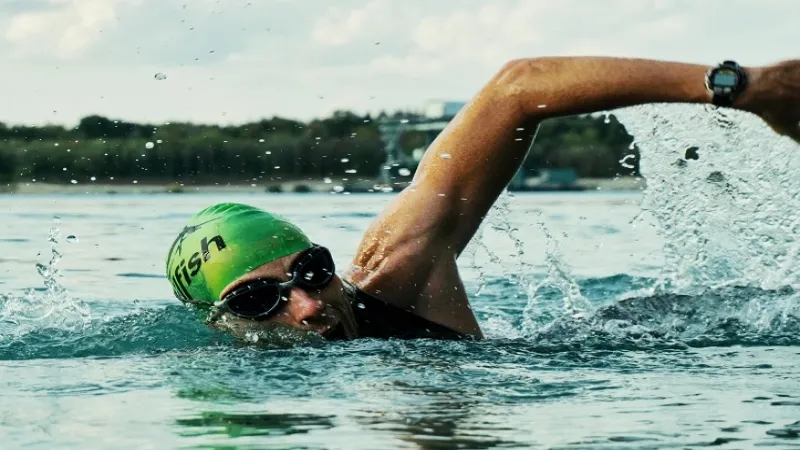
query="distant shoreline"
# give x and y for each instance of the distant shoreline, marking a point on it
(301, 186)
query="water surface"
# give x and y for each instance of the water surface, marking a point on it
(593, 341)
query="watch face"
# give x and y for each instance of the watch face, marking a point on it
(725, 79)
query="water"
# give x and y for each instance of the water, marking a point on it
(614, 320)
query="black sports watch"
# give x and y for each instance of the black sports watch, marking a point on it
(725, 82)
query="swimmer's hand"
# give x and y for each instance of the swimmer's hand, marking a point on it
(774, 95)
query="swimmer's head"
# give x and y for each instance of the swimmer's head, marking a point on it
(255, 271)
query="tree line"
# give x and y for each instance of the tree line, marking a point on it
(102, 149)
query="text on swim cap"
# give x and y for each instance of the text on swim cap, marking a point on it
(184, 273)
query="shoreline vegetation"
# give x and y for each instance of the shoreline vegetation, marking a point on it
(343, 153)
(628, 183)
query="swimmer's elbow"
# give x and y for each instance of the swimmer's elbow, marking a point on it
(520, 80)
(520, 72)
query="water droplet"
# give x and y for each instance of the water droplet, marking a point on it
(624, 161)
(159, 141)
(135, 181)
(160, 76)
(261, 140)
(360, 305)
(338, 188)
(542, 106)
(56, 219)
(42, 269)
(93, 178)
(73, 181)
(53, 235)
(72, 239)
(350, 171)
(404, 172)
(344, 160)
(149, 145)
(327, 180)
(444, 155)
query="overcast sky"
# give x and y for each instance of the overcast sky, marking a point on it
(232, 61)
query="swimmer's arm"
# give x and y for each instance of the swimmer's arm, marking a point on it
(474, 158)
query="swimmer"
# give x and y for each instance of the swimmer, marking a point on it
(251, 270)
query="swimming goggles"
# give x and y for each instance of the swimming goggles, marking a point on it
(261, 298)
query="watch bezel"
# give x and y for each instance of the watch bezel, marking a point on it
(725, 96)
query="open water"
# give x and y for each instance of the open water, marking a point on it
(667, 318)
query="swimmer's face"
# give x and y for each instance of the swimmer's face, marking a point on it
(324, 311)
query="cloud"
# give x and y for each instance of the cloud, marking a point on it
(339, 26)
(254, 58)
(66, 29)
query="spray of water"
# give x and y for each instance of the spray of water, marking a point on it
(724, 191)
(496, 225)
(50, 307)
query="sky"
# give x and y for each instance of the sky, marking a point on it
(235, 61)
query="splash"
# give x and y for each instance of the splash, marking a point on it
(723, 193)
(496, 226)
(51, 307)
(718, 317)
(146, 331)
(723, 188)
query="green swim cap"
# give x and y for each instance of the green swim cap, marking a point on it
(223, 242)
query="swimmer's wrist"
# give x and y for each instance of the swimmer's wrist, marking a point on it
(748, 100)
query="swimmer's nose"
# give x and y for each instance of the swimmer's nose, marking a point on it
(303, 308)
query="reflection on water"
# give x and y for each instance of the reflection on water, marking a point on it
(435, 419)
(443, 423)
(243, 424)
